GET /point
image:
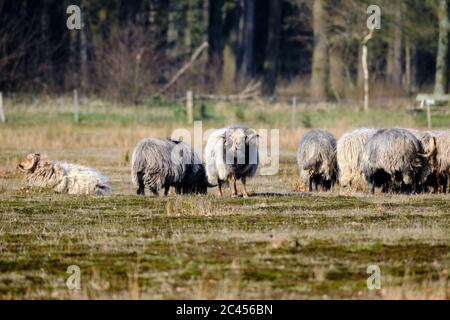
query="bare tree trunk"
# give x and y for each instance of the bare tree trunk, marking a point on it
(319, 72)
(249, 38)
(196, 31)
(441, 79)
(365, 66)
(73, 75)
(160, 22)
(83, 58)
(414, 68)
(360, 72)
(45, 42)
(240, 40)
(272, 48)
(408, 67)
(337, 70)
(394, 61)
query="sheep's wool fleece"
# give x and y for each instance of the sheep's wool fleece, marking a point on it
(69, 178)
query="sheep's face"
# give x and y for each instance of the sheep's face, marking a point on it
(30, 163)
(237, 138)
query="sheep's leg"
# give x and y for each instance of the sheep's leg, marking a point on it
(166, 190)
(141, 190)
(243, 179)
(314, 186)
(372, 189)
(140, 180)
(232, 182)
(219, 183)
(439, 182)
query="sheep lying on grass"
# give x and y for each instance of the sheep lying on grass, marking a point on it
(231, 154)
(161, 164)
(63, 177)
(316, 159)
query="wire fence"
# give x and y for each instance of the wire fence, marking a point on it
(76, 103)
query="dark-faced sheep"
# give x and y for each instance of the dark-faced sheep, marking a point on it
(316, 159)
(63, 177)
(393, 159)
(231, 154)
(160, 164)
(348, 151)
(428, 171)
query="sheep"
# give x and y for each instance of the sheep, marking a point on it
(393, 159)
(316, 159)
(428, 174)
(63, 177)
(442, 159)
(160, 164)
(348, 150)
(231, 154)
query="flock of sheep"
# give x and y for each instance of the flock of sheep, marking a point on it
(395, 160)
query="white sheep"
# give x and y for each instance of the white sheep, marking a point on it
(231, 154)
(348, 151)
(63, 177)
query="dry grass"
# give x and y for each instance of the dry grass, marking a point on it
(276, 244)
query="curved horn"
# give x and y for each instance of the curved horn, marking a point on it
(432, 146)
(252, 136)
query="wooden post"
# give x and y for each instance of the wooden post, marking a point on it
(76, 107)
(429, 116)
(294, 107)
(2, 111)
(190, 106)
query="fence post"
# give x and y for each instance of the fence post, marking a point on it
(2, 111)
(76, 107)
(293, 116)
(190, 106)
(429, 116)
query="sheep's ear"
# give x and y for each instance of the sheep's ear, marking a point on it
(174, 141)
(223, 137)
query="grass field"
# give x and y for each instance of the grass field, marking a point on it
(276, 244)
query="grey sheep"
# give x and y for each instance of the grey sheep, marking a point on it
(429, 174)
(393, 159)
(160, 164)
(231, 154)
(348, 150)
(316, 159)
